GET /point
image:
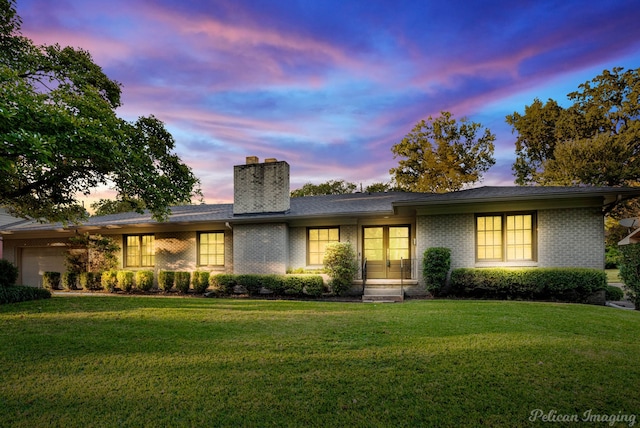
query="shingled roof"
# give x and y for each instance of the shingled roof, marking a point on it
(352, 204)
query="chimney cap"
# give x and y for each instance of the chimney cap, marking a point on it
(252, 160)
(270, 160)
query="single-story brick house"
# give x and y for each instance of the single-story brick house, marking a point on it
(266, 231)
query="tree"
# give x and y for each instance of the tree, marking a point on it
(116, 206)
(91, 253)
(441, 155)
(536, 139)
(331, 187)
(595, 141)
(61, 136)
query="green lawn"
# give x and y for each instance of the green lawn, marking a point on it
(612, 275)
(144, 361)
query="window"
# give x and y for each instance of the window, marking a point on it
(318, 241)
(211, 249)
(139, 250)
(505, 237)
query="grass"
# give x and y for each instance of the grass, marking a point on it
(612, 276)
(139, 361)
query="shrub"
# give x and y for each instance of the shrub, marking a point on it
(565, 284)
(51, 280)
(222, 283)
(109, 280)
(90, 280)
(200, 281)
(293, 284)
(144, 280)
(630, 272)
(8, 273)
(436, 263)
(274, 283)
(612, 257)
(125, 280)
(614, 293)
(182, 280)
(166, 279)
(341, 266)
(252, 282)
(69, 280)
(313, 285)
(18, 293)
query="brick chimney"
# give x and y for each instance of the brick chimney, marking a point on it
(261, 187)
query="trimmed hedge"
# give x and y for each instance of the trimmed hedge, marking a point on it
(166, 279)
(19, 293)
(90, 280)
(182, 280)
(200, 281)
(69, 280)
(564, 284)
(278, 285)
(436, 263)
(144, 280)
(125, 280)
(109, 280)
(51, 280)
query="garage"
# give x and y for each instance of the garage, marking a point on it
(35, 261)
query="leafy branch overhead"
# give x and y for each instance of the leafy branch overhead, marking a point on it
(594, 141)
(61, 136)
(442, 155)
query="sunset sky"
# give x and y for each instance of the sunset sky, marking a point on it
(330, 85)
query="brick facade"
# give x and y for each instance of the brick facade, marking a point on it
(261, 248)
(571, 237)
(565, 238)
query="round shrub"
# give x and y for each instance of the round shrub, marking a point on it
(8, 273)
(222, 283)
(166, 278)
(90, 280)
(182, 280)
(614, 293)
(125, 280)
(436, 263)
(69, 280)
(341, 266)
(109, 280)
(144, 280)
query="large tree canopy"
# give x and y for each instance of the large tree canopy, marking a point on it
(331, 187)
(60, 136)
(441, 155)
(594, 141)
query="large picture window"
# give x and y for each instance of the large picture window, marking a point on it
(139, 251)
(319, 238)
(505, 237)
(211, 249)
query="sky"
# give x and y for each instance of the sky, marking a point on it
(331, 85)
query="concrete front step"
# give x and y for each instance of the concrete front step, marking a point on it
(382, 293)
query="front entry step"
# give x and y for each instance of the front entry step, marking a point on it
(382, 294)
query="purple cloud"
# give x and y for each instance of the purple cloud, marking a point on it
(330, 86)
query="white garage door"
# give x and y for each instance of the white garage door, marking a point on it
(35, 261)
